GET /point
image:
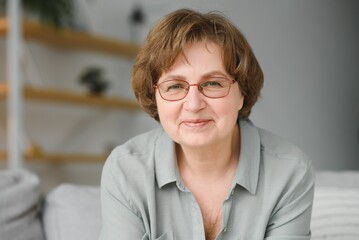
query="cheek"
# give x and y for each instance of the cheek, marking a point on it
(238, 99)
(161, 112)
(240, 102)
(160, 105)
(234, 102)
(166, 111)
(230, 108)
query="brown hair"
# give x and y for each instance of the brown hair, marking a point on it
(166, 41)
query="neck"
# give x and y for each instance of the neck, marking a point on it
(211, 163)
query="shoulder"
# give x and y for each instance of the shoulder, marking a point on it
(132, 163)
(141, 143)
(284, 164)
(129, 170)
(135, 153)
(287, 183)
(278, 149)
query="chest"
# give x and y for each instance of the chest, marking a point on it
(212, 218)
(174, 210)
(210, 201)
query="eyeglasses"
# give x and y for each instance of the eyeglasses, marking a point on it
(175, 90)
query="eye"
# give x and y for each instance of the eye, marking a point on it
(173, 86)
(214, 83)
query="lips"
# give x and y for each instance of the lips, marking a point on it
(196, 123)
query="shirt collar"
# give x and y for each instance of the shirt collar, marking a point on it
(247, 172)
(165, 160)
(248, 168)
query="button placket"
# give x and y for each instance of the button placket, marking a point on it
(227, 205)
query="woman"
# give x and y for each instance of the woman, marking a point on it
(207, 172)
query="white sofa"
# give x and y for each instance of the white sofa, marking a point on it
(72, 212)
(335, 213)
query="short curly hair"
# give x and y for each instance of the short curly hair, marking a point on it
(166, 41)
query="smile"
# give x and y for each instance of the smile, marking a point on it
(198, 123)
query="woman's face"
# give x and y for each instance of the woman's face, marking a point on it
(196, 120)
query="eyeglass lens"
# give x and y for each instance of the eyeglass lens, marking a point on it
(174, 90)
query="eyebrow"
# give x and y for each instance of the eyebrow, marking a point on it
(203, 77)
(212, 73)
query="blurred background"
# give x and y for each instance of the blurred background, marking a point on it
(308, 51)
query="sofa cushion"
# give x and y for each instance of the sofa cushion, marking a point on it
(72, 212)
(346, 179)
(335, 213)
(20, 206)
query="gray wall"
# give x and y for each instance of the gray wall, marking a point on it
(309, 53)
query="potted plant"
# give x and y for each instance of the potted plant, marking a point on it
(58, 13)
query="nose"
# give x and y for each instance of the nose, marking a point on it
(194, 101)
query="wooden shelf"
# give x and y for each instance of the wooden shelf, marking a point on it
(61, 157)
(70, 39)
(63, 96)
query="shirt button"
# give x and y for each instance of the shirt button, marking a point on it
(225, 229)
(232, 192)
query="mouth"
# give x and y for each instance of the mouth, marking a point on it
(196, 123)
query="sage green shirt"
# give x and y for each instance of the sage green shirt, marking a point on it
(143, 196)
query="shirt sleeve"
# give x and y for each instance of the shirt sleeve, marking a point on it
(119, 218)
(291, 217)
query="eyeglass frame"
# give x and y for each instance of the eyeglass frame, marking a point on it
(200, 89)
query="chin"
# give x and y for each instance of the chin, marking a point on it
(196, 142)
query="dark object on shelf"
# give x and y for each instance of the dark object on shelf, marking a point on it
(94, 81)
(137, 16)
(136, 20)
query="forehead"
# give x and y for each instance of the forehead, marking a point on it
(201, 56)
